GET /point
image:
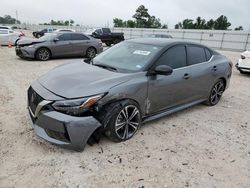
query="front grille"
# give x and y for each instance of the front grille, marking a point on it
(58, 135)
(33, 99)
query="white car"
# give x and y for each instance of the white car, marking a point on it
(8, 36)
(243, 64)
(65, 30)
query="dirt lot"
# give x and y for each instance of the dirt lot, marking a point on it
(199, 147)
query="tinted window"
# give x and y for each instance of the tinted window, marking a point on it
(99, 31)
(196, 55)
(174, 57)
(2, 27)
(106, 30)
(208, 54)
(65, 36)
(78, 37)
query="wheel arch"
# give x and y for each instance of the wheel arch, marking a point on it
(43, 47)
(224, 81)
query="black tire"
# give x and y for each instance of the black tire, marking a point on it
(38, 35)
(91, 52)
(116, 41)
(242, 72)
(43, 54)
(108, 44)
(216, 93)
(118, 127)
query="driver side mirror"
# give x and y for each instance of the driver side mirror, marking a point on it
(161, 70)
(56, 39)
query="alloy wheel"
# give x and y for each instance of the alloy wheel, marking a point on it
(43, 54)
(217, 92)
(127, 122)
(91, 53)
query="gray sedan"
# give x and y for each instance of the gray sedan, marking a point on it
(58, 44)
(131, 83)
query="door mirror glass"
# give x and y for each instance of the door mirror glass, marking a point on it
(162, 70)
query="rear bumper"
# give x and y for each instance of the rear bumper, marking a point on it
(242, 68)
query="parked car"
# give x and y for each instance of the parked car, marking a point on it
(65, 30)
(8, 36)
(243, 64)
(128, 84)
(59, 44)
(157, 36)
(106, 36)
(38, 34)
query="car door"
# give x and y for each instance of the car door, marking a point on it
(202, 71)
(80, 44)
(169, 91)
(62, 45)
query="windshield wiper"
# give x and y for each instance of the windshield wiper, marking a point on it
(106, 67)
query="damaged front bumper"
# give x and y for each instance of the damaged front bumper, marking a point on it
(61, 129)
(25, 52)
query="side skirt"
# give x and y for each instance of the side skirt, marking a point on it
(170, 111)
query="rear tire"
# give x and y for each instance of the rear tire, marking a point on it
(91, 52)
(216, 93)
(123, 120)
(43, 54)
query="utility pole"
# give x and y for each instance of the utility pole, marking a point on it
(16, 16)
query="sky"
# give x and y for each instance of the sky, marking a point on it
(98, 13)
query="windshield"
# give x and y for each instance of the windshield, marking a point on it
(127, 56)
(48, 36)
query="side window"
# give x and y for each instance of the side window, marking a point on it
(208, 54)
(99, 31)
(11, 31)
(196, 54)
(78, 37)
(64, 37)
(174, 57)
(106, 30)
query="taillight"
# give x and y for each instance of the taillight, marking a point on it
(243, 57)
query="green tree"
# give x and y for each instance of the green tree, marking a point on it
(71, 22)
(222, 23)
(118, 22)
(200, 23)
(164, 26)
(66, 22)
(188, 24)
(142, 16)
(210, 24)
(131, 24)
(7, 19)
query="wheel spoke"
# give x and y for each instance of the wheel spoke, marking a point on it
(135, 111)
(124, 114)
(133, 124)
(120, 125)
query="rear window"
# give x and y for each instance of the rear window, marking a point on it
(208, 54)
(196, 55)
(106, 30)
(66, 36)
(78, 37)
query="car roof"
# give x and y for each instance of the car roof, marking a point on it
(163, 42)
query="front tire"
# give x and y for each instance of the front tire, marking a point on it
(43, 54)
(124, 120)
(108, 44)
(216, 93)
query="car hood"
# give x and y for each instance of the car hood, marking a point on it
(28, 41)
(77, 80)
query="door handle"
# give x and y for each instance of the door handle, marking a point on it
(186, 76)
(214, 68)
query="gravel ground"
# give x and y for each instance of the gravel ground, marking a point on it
(198, 147)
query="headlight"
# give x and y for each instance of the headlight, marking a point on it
(76, 107)
(31, 46)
